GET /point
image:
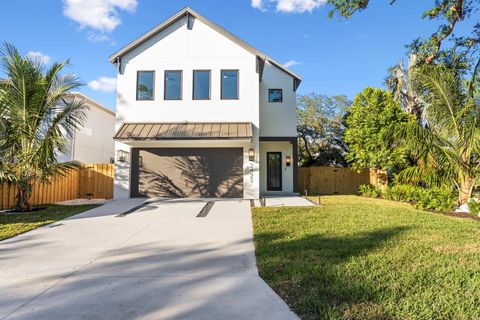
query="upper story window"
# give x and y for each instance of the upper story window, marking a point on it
(173, 85)
(275, 95)
(229, 84)
(145, 85)
(201, 84)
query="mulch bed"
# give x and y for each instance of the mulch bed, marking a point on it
(463, 215)
(15, 211)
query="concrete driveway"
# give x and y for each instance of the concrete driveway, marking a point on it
(160, 262)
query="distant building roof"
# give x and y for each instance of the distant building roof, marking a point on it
(90, 102)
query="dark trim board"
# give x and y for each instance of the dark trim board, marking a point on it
(289, 139)
(294, 142)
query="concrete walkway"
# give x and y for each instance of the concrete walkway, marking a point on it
(160, 262)
(286, 201)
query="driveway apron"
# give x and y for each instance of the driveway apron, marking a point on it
(158, 262)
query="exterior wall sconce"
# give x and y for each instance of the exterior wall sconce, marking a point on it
(288, 161)
(140, 161)
(121, 156)
(251, 155)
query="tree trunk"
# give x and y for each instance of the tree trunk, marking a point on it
(308, 149)
(466, 189)
(23, 197)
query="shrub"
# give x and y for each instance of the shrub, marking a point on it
(438, 199)
(405, 193)
(474, 206)
(370, 191)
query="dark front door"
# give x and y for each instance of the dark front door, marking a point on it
(274, 171)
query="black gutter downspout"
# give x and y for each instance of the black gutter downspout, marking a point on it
(118, 61)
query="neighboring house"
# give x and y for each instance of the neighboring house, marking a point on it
(200, 113)
(93, 143)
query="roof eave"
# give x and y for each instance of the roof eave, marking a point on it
(148, 35)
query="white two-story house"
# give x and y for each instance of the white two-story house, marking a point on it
(201, 113)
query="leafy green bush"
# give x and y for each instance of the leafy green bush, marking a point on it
(370, 191)
(439, 199)
(474, 206)
(402, 192)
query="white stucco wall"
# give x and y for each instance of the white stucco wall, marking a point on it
(93, 142)
(277, 119)
(287, 172)
(178, 48)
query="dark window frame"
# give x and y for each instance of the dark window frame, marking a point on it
(165, 85)
(238, 84)
(153, 86)
(281, 100)
(209, 84)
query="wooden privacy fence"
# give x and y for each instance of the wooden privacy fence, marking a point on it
(332, 180)
(89, 181)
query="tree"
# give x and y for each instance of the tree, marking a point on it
(450, 12)
(399, 83)
(320, 130)
(447, 148)
(33, 125)
(368, 134)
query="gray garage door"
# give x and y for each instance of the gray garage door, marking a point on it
(187, 173)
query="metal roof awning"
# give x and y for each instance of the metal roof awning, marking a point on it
(142, 131)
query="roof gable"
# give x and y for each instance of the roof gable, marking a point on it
(191, 14)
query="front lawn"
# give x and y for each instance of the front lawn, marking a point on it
(360, 258)
(13, 224)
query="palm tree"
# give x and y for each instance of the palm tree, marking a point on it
(447, 148)
(399, 83)
(34, 125)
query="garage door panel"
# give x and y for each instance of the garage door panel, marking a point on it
(196, 172)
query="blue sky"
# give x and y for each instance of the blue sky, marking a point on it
(334, 56)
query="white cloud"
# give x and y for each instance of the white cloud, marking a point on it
(103, 84)
(290, 6)
(98, 37)
(101, 15)
(291, 63)
(257, 4)
(38, 56)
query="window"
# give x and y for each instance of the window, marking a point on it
(145, 81)
(173, 85)
(275, 95)
(229, 84)
(201, 84)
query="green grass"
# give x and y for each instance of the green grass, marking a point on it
(360, 258)
(14, 224)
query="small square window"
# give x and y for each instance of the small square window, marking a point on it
(145, 85)
(275, 95)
